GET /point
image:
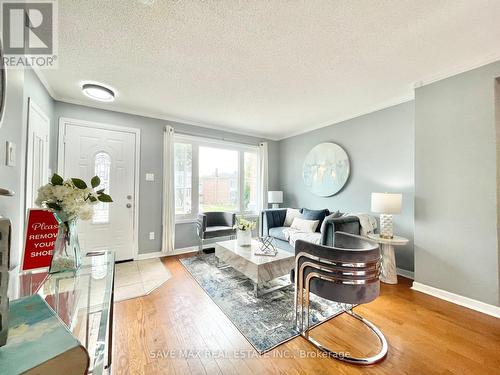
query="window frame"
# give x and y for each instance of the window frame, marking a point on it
(107, 188)
(196, 143)
(194, 189)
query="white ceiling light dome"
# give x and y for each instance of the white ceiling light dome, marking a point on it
(97, 91)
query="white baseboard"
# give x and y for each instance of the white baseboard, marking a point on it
(184, 250)
(470, 303)
(405, 273)
(156, 254)
(191, 249)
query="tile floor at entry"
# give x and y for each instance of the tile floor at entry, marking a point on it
(139, 278)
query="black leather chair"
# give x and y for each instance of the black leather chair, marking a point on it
(215, 224)
(347, 273)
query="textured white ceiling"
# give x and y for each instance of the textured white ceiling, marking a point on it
(270, 68)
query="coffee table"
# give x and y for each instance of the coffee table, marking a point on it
(266, 272)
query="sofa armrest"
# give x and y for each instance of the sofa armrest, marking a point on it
(347, 224)
(271, 219)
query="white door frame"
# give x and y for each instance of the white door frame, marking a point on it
(36, 108)
(64, 121)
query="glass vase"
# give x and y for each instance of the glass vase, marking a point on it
(66, 255)
(243, 237)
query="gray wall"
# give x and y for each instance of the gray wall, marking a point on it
(13, 129)
(456, 238)
(21, 84)
(381, 149)
(150, 199)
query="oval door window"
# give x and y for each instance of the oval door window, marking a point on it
(102, 165)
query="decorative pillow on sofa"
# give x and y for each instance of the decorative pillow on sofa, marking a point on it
(314, 215)
(303, 225)
(291, 213)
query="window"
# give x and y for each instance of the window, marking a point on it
(102, 166)
(214, 176)
(218, 179)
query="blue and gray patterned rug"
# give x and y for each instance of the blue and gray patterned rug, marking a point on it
(267, 321)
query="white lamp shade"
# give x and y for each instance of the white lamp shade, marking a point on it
(386, 203)
(275, 196)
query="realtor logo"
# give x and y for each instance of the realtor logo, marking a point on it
(29, 33)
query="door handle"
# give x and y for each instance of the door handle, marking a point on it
(129, 205)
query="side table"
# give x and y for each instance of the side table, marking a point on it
(388, 272)
(83, 300)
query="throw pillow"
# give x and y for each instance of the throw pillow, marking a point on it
(314, 215)
(303, 225)
(291, 213)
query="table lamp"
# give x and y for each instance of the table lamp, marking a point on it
(386, 204)
(275, 198)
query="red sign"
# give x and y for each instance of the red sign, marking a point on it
(41, 234)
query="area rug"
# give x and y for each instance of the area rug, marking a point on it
(266, 321)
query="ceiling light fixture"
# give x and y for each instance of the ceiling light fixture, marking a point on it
(98, 92)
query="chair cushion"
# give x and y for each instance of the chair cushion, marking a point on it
(277, 232)
(219, 231)
(313, 237)
(315, 215)
(303, 225)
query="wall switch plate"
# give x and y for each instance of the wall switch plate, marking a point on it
(151, 235)
(150, 177)
(10, 155)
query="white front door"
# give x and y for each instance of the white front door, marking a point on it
(37, 158)
(111, 155)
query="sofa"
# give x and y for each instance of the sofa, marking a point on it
(272, 223)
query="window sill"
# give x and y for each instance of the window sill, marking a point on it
(191, 221)
(185, 221)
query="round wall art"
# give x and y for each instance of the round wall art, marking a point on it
(326, 169)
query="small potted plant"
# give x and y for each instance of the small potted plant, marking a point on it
(244, 231)
(69, 200)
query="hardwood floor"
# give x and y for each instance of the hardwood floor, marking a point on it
(426, 336)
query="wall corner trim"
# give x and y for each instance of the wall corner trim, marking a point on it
(191, 249)
(155, 254)
(160, 254)
(457, 299)
(405, 273)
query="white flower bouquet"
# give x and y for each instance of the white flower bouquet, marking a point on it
(72, 198)
(244, 231)
(69, 200)
(244, 225)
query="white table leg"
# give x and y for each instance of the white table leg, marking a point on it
(388, 272)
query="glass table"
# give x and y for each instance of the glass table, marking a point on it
(83, 300)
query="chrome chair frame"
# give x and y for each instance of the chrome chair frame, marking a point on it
(339, 275)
